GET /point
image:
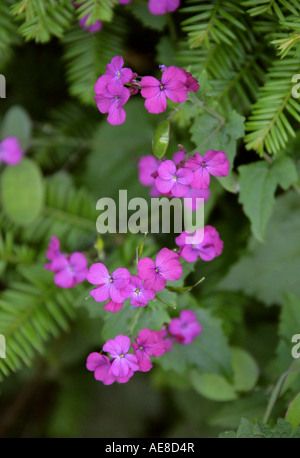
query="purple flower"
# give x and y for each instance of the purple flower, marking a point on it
(166, 267)
(171, 179)
(69, 270)
(163, 6)
(148, 343)
(204, 243)
(138, 293)
(212, 163)
(123, 362)
(185, 328)
(147, 167)
(119, 75)
(172, 86)
(109, 286)
(168, 341)
(191, 83)
(110, 99)
(10, 151)
(92, 28)
(100, 365)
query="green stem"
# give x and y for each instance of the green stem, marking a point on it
(277, 390)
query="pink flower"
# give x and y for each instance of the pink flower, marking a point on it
(191, 83)
(138, 293)
(171, 179)
(172, 86)
(163, 6)
(166, 267)
(92, 28)
(53, 251)
(168, 341)
(109, 286)
(207, 248)
(10, 151)
(123, 362)
(69, 270)
(212, 163)
(147, 167)
(148, 343)
(110, 99)
(185, 328)
(100, 365)
(119, 75)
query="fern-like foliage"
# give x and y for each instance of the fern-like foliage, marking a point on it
(96, 9)
(212, 22)
(279, 8)
(41, 20)
(235, 72)
(32, 310)
(8, 33)
(270, 124)
(12, 253)
(86, 56)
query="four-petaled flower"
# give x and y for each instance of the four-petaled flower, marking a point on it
(171, 86)
(156, 273)
(204, 243)
(186, 327)
(108, 286)
(137, 292)
(148, 343)
(212, 163)
(171, 179)
(69, 270)
(123, 362)
(163, 6)
(111, 98)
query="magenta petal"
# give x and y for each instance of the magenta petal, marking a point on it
(179, 190)
(217, 163)
(146, 268)
(164, 186)
(167, 170)
(201, 178)
(117, 116)
(157, 283)
(59, 263)
(121, 277)
(156, 104)
(98, 274)
(189, 253)
(78, 261)
(113, 307)
(101, 293)
(64, 279)
(12, 152)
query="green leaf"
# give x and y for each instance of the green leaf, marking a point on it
(213, 386)
(161, 139)
(293, 412)
(285, 172)
(245, 370)
(22, 192)
(282, 429)
(16, 123)
(267, 271)
(257, 189)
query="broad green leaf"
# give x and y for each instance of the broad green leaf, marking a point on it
(282, 429)
(22, 192)
(161, 139)
(213, 386)
(257, 189)
(293, 413)
(285, 171)
(16, 123)
(267, 271)
(245, 370)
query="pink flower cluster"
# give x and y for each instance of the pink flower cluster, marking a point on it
(180, 177)
(11, 152)
(121, 365)
(69, 269)
(114, 88)
(205, 243)
(152, 276)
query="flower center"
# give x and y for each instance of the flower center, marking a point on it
(161, 86)
(175, 177)
(141, 347)
(137, 291)
(116, 97)
(122, 355)
(118, 74)
(156, 270)
(203, 164)
(111, 280)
